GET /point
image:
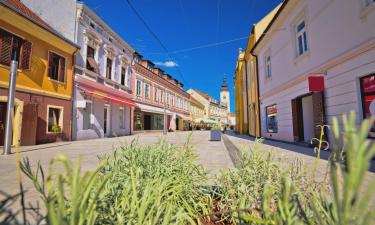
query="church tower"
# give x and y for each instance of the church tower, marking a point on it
(224, 94)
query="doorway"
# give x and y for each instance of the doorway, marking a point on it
(307, 114)
(3, 112)
(106, 120)
(147, 122)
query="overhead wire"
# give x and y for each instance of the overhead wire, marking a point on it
(157, 39)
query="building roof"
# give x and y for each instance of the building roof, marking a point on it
(20, 8)
(204, 95)
(279, 9)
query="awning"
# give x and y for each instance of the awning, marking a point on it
(152, 109)
(183, 116)
(108, 97)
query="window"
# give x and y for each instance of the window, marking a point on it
(301, 38)
(368, 99)
(156, 94)
(136, 59)
(56, 67)
(139, 88)
(271, 112)
(90, 62)
(11, 44)
(92, 25)
(109, 69)
(123, 75)
(122, 118)
(55, 120)
(161, 96)
(147, 90)
(86, 116)
(158, 122)
(150, 66)
(268, 67)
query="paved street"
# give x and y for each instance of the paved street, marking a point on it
(212, 155)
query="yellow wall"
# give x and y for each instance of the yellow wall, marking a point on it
(240, 125)
(36, 79)
(198, 112)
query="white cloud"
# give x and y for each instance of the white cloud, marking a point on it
(167, 64)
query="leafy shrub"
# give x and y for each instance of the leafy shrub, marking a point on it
(154, 184)
(216, 127)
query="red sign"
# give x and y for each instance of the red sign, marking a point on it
(271, 110)
(316, 83)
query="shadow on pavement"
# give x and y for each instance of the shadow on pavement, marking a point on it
(309, 151)
(33, 148)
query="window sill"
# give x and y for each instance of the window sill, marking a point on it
(367, 10)
(55, 132)
(301, 57)
(56, 81)
(18, 69)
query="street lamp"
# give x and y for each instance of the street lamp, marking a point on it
(10, 105)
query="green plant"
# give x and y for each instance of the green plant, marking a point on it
(153, 184)
(69, 198)
(56, 128)
(216, 127)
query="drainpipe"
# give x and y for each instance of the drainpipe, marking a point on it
(73, 120)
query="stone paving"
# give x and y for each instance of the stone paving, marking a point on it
(212, 155)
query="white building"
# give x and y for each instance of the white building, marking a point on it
(102, 100)
(331, 39)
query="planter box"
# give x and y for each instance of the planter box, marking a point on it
(215, 135)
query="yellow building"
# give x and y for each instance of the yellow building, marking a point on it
(246, 82)
(43, 101)
(197, 111)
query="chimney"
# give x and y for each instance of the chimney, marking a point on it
(239, 50)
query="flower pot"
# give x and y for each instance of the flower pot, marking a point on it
(215, 135)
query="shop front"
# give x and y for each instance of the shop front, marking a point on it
(151, 118)
(101, 111)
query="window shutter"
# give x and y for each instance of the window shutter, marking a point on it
(6, 48)
(50, 64)
(62, 69)
(25, 59)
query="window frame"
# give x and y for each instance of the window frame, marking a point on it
(140, 88)
(87, 62)
(21, 49)
(267, 119)
(147, 90)
(106, 68)
(268, 66)
(123, 76)
(304, 39)
(363, 95)
(59, 68)
(61, 121)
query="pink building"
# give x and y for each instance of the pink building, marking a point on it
(161, 98)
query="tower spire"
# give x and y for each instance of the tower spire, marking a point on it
(224, 86)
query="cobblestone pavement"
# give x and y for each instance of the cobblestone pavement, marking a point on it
(212, 155)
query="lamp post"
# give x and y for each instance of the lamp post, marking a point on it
(10, 105)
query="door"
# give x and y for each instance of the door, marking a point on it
(106, 120)
(29, 124)
(177, 124)
(3, 112)
(147, 121)
(297, 119)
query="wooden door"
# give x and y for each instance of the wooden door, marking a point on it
(29, 124)
(318, 108)
(297, 119)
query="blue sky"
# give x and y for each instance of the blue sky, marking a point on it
(186, 24)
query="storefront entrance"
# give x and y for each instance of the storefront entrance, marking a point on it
(147, 122)
(307, 113)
